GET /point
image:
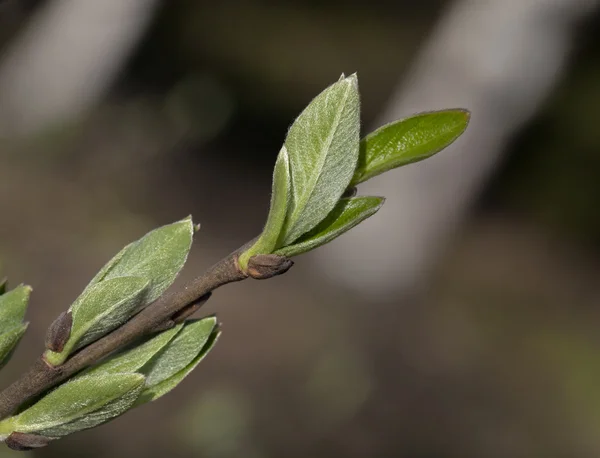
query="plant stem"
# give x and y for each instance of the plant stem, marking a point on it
(157, 316)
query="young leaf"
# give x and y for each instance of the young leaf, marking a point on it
(280, 194)
(408, 140)
(157, 257)
(151, 393)
(13, 306)
(323, 149)
(135, 358)
(82, 403)
(100, 309)
(347, 214)
(9, 338)
(180, 351)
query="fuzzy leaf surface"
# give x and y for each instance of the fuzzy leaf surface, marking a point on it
(151, 393)
(80, 404)
(157, 257)
(323, 146)
(13, 305)
(348, 213)
(180, 351)
(280, 196)
(135, 358)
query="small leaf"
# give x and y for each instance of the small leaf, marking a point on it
(13, 306)
(82, 403)
(180, 351)
(408, 140)
(135, 358)
(154, 392)
(9, 338)
(323, 149)
(347, 214)
(280, 194)
(157, 257)
(100, 309)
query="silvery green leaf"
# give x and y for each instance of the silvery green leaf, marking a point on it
(81, 403)
(323, 148)
(347, 214)
(408, 140)
(151, 393)
(280, 194)
(180, 351)
(101, 308)
(13, 305)
(133, 359)
(157, 257)
(9, 338)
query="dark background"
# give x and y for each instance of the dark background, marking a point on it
(499, 357)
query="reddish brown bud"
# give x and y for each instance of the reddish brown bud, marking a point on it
(23, 441)
(59, 332)
(263, 266)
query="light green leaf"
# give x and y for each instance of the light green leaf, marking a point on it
(180, 351)
(135, 358)
(154, 392)
(280, 194)
(9, 340)
(80, 404)
(323, 147)
(100, 309)
(408, 140)
(347, 214)
(13, 306)
(157, 257)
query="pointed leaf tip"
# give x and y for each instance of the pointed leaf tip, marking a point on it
(408, 140)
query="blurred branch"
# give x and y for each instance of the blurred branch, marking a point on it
(65, 60)
(497, 58)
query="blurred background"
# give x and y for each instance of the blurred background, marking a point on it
(462, 320)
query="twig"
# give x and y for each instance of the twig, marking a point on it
(161, 314)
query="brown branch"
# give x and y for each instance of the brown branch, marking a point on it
(161, 314)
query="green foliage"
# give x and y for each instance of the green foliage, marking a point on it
(136, 276)
(80, 404)
(316, 171)
(408, 140)
(326, 161)
(13, 305)
(323, 148)
(280, 194)
(157, 257)
(347, 214)
(166, 358)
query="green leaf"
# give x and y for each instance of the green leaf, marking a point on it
(323, 148)
(9, 339)
(100, 309)
(135, 358)
(408, 140)
(180, 351)
(347, 214)
(154, 392)
(268, 240)
(13, 306)
(82, 403)
(157, 257)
